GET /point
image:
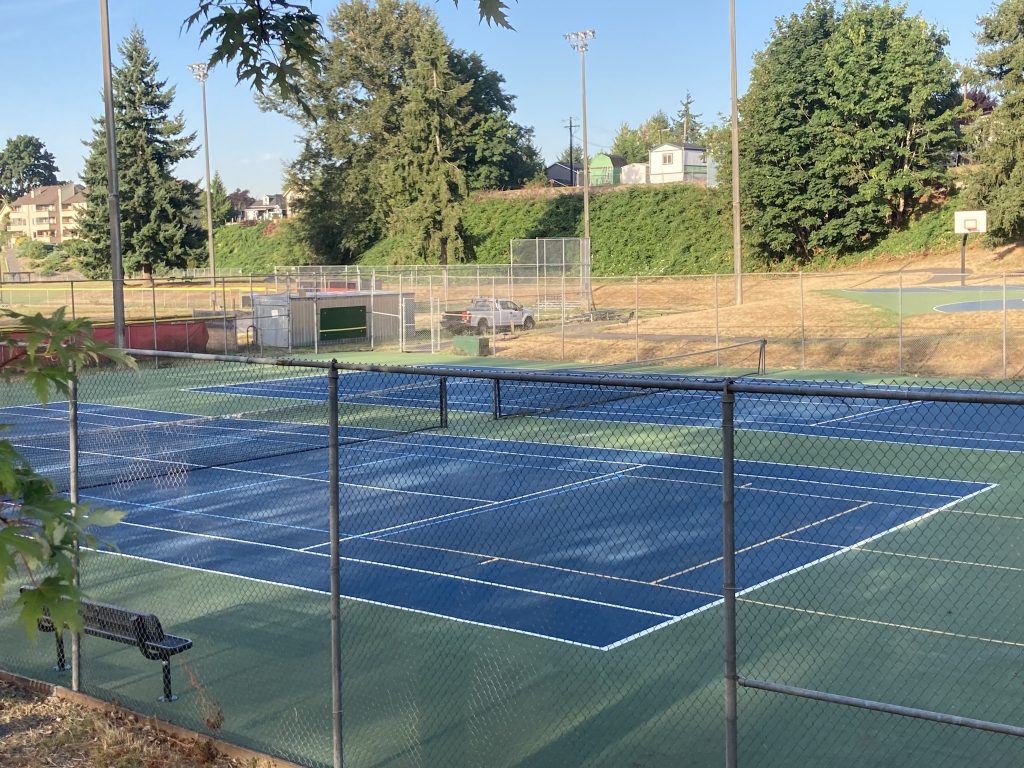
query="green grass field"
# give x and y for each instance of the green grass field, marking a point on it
(927, 616)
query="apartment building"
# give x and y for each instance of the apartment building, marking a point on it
(47, 214)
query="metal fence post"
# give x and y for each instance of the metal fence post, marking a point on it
(636, 319)
(899, 344)
(563, 310)
(729, 571)
(718, 330)
(334, 530)
(76, 638)
(224, 313)
(1004, 326)
(803, 327)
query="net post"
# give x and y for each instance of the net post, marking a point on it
(443, 392)
(729, 570)
(762, 366)
(496, 398)
(334, 528)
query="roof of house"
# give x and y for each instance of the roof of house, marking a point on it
(45, 195)
(617, 161)
(683, 145)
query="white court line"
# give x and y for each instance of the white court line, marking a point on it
(199, 513)
(487, 507)
(888, 624)
(870, 412)
(793, 571)
(544, 566)
(764, 543)
(609, 647)
(361, 600)
(926, 558)
(407, 569)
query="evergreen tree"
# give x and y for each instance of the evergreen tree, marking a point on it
(996, 180)
(687, 126)
(574, 153)
(425, 184)
(159, 213)
(222, 210)
(358, 107)
(25, 163)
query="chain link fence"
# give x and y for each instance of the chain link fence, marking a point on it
(548, 308)
(548, 568)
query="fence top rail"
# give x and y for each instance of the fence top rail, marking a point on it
(905, 393)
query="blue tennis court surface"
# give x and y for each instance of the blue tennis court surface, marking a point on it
(928, 423)
(506, 534)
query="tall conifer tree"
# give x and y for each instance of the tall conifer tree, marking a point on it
(159, 218)
(426, 186)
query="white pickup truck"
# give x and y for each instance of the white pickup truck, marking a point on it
(484, 314)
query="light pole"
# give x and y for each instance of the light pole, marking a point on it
(578, 41)
(113, 196)
(737, 256)
(200, 72)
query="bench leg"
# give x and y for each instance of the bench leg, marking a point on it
(62, 662)
(168, 696)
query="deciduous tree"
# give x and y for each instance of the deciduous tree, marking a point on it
(849, 121)
(996, 179)
(25, 163)
(270, 41)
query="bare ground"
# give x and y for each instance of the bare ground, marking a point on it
(808, 324)
(48, 730)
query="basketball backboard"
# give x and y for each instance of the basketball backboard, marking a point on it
(970, 222)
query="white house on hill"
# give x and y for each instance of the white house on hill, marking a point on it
(682, 162)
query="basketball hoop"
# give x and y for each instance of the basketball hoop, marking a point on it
(970, 222)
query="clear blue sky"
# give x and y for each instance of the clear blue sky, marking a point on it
(645, 57)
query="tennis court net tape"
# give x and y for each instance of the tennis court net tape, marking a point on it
(154, 450)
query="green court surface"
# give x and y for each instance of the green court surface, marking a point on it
(926, 616)
(922, 300)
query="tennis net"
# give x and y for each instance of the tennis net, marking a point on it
(523, 398)
(119, 446)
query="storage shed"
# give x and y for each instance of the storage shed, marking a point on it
(606, 169)
(305, 320)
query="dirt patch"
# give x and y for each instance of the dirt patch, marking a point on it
(807, 319)
(38, 728)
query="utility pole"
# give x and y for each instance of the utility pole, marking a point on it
(579, 42)
(200, 72)
(572, 167)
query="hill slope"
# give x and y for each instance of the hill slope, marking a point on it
(672, 229)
